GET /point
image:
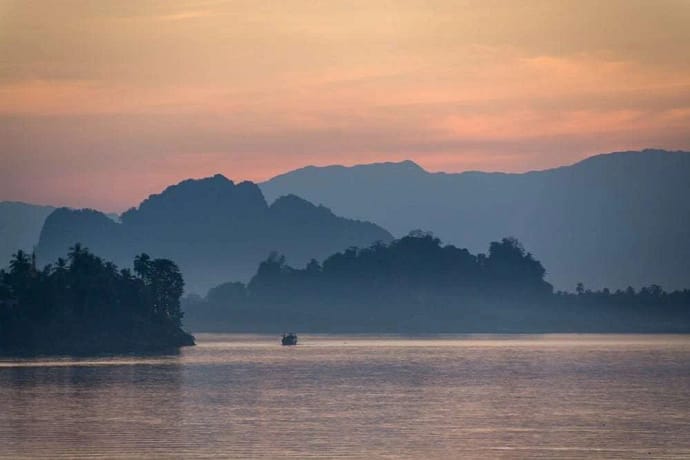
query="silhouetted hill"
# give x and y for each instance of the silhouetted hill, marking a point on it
(213, 228)
(20, 225)
(611, 220)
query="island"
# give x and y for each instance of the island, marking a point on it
(83, 305)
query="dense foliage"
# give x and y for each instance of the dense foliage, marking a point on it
(417, 284)
(412, 264)
(84, 304)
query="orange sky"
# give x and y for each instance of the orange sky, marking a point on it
(103, 102)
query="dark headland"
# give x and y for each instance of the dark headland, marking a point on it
(83, 305)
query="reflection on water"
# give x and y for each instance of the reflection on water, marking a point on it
(554, 396)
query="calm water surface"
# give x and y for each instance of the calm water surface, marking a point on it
(239, 396)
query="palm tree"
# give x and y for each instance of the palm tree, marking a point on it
(20, 263)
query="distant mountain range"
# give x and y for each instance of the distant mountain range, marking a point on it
(20, 226)
(213, 229)
(611, 220)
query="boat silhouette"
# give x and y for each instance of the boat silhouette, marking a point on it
(289, 339)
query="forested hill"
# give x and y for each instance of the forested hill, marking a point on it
(213, 228)
(612, 220)
(417, 284)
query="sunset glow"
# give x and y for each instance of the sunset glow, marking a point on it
(121, 99)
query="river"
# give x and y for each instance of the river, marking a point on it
(465, 396)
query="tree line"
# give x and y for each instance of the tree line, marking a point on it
(416, 283)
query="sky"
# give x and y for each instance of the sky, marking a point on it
(104, 102)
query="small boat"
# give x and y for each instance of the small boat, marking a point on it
(289, 339)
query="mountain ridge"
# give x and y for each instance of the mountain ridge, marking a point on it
(412, 165)
(605, 206)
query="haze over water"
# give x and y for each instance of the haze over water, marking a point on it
(553, 396)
